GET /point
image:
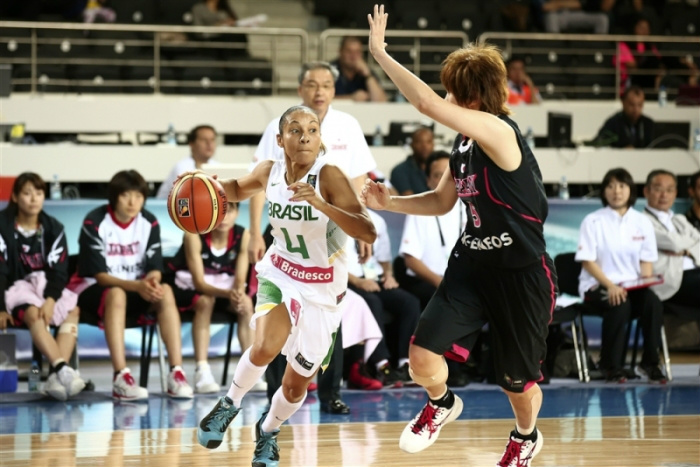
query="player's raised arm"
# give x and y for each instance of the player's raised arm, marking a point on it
(239, 189)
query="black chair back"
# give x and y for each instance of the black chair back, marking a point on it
(568, 270)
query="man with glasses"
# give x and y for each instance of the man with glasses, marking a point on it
(677, 240)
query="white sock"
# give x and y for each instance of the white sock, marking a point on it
(280, 410)
(202, 365)
(381, 364)
(244, 378)
(402, 362)
(524, 431)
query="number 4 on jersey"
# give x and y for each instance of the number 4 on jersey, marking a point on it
(301, 249)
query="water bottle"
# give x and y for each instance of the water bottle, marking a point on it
(564, 188)
(378, 138)
(663, 98)
(34, 377)
(170, 136)
(696, 140)
(55, 189)
(530, 138)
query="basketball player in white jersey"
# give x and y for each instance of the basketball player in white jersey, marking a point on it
(302, 277)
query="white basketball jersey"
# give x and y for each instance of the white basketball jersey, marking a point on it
(308, 247)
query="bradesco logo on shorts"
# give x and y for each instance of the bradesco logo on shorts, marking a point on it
(311, 275)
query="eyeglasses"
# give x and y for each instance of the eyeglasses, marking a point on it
(315, 86)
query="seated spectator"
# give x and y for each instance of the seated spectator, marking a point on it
(97, 11)
(521, 90)
(626, 12)
(566, 15)
(677, 241)
(693, 213)
(374, 281)
(616, 244)
(119, 277)
(628, 128)
(33, 279)
(427, 242)
(210, 272)
(219, 13)
(356, 80)
(642, 64)
(202, 141)
(408, 177)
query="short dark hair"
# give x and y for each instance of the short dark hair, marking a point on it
(513, 59)
(623, 176)
(634, 89)
(345, 39)
(656, 172)
(693, 180)
(123, 181)
(308, 66)
(24, 178)
(435, 156)
(194, 132)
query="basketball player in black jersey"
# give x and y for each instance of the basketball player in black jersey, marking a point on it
(499, 272)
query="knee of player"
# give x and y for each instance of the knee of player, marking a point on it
(422, 360)
(31, 315)
(204, 304)
(264, 351)
(116, 296)
(293, 392)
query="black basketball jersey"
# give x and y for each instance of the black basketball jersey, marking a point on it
(214, 264)
(505, 210)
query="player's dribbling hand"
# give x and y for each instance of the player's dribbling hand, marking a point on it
(377, 27)
(375, 195)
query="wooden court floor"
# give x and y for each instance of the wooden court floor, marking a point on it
(640, 441)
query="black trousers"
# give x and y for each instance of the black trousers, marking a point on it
(689, 293)
(418, 287)
(328, 381)
(641, 303)
(394, 306)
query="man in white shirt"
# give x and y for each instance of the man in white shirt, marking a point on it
(677, 240)
(202, 141)
(427, 241)
(347, 148)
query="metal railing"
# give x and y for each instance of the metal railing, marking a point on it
(420, 51)
(137, 57)
(588, 65)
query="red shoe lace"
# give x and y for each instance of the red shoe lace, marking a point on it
(128, 379)
(426, 420)
(179, 377)
(512, 452)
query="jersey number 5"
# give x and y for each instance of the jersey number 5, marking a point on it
(301, 249)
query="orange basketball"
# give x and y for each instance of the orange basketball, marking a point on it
(197, 203)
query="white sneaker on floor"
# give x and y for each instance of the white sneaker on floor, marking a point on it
(71, 380)
(54, 388)
(178, 387)
(204, 382)
(520, 452)
(124, 387)
(425, 428)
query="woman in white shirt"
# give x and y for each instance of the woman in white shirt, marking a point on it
(617, 244)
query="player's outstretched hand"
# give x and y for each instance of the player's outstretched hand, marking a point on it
(377, 27)
(375, 195)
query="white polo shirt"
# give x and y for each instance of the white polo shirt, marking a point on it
(617, 243)
(422, 238)
(666, 218)
(342, 135)
(381, 251)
